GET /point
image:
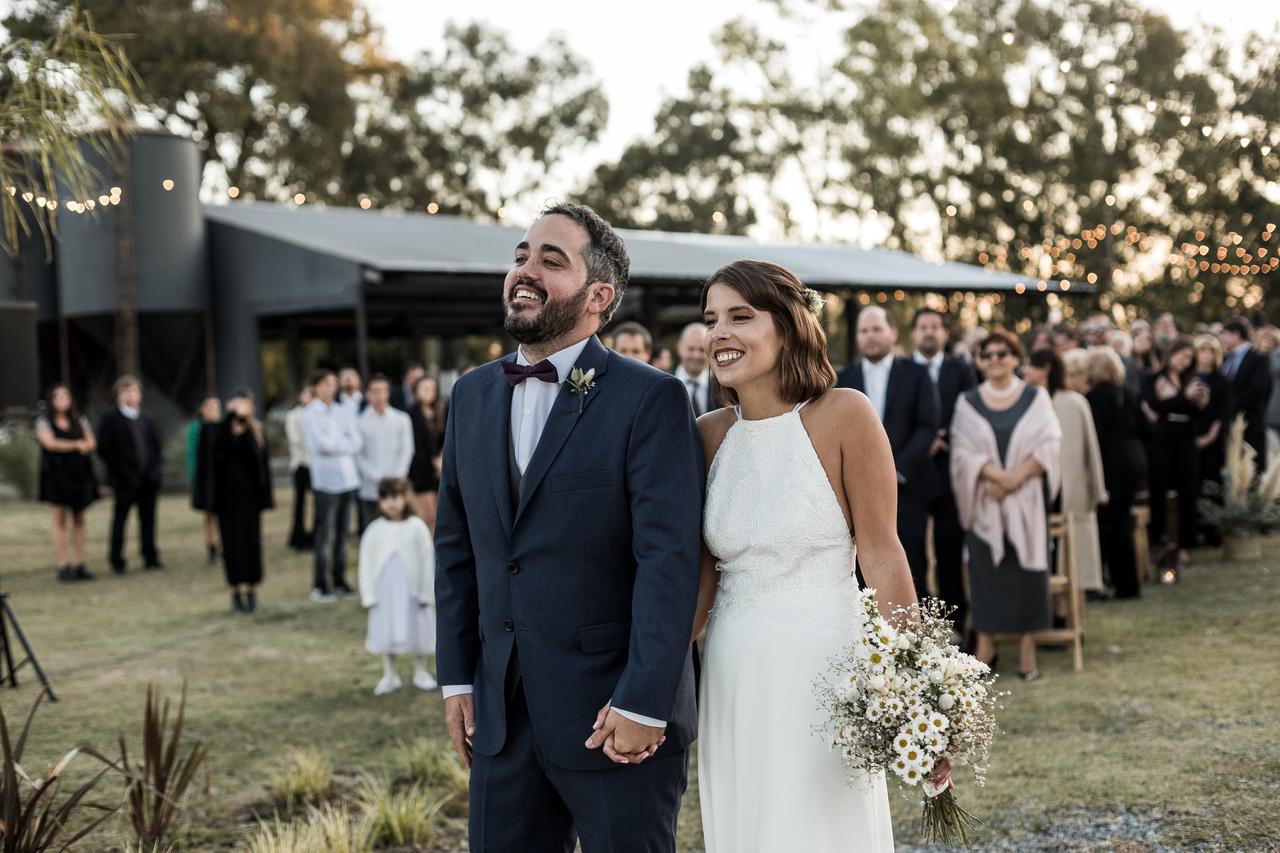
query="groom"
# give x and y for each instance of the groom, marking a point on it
(567, 546)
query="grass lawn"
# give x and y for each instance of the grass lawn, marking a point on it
(1167, 740)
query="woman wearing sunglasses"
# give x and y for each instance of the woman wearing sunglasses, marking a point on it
(1005, 444)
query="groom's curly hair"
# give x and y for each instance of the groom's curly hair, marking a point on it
(605, 254)
(804, 369)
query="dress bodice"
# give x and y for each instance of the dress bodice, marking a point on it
(775, 527)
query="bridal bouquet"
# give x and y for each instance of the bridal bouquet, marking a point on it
(902, 699)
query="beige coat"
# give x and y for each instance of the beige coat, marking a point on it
(1022, 516)
(1083, 485)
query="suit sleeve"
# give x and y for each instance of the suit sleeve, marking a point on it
(457, 596)
(915, 452)
(664, 481)
(107, 444)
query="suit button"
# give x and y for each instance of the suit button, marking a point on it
(509, 625)
(513, 567)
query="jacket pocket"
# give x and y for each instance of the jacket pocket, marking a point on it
(604, 638)
(579, 480)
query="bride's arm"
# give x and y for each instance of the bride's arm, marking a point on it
(708, 578)
(871, 489)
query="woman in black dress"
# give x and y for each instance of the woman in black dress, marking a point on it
(67, 479)
(1118, 419)
(1214, 419)
(241, 481)
(427, 416)
(1173, 400)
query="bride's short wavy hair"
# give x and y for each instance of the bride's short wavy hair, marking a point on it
(804, 369)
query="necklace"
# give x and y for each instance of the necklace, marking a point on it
(1015, 385)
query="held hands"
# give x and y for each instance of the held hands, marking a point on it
(624, 741)
(1000, 483)
(460, 720)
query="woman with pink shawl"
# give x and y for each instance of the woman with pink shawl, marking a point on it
(1005, 443)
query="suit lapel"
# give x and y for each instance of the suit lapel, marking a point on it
(890, 385)
(855, 377)
(495, 419)
(565, 415)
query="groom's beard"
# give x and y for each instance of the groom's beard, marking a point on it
(556, 319)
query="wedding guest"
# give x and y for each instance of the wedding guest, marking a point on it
(332, 438)
(967, 348)
(397, 586)
(386, 445)
(905, 401)
(67, 480)
(130, 448)
(663, 359)
(1213, 420)
(1273, 402)
(1248, 373)
(1080, 460)
(1005, 450)
(1143, 359)
(1075, 376)
(427, 420)
(1267, 340)
(1164, 331)
(951, 376)
(1121, 341)
(351, 390)
(634, 341)
(199, 434)
(241, 489)
(1041, 337)
(1173, 400)
(1096, 331)
(300, 538)
(402, 394)
(1120, 425)
(693, 369)
(1065, 339)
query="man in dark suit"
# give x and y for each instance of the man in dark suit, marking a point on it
(402, 394)
(567, 553)
(951, 377)
(903, 397)
(130, 449)
(1249, 373)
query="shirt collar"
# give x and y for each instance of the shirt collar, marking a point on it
(683, 375)
(928, 362)
(878, 367)
(563, 360)
(129, 412)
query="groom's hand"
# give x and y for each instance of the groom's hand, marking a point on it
(460, 719)
(624, 741)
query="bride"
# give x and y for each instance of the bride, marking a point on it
(795, 467)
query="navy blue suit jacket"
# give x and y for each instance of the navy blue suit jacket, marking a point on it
(911, 422)
(593, 577)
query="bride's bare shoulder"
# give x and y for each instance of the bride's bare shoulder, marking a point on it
(713, 427)
(842, 406)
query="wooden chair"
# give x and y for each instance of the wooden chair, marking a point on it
(1141, 547)
(1066, 585)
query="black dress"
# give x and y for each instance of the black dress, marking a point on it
(1173, 463)
(241, 487)
(66, 477)
(422, 470)
(1120, 424)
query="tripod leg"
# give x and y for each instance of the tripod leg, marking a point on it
(8, 675)
(12, 617)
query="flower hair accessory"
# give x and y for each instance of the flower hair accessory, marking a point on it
(815, 301)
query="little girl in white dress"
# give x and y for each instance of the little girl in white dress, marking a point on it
(397, 586)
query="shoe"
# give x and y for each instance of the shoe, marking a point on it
(342, 590)
(1095, 595)
(1028, 677)
(423, 680)
(83, 574)
(154, 567)
(388, 684)
(237, 603)
(322, 596)
(118, 569)
(251, 602)
(65, 574)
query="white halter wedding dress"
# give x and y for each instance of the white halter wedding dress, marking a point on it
(768, 783)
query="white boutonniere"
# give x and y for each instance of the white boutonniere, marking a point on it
(581, 382)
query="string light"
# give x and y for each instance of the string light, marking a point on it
(433, 208)
(365, 203)
(1007, 38)
(234, 192)
(299, 198)
(167, 184)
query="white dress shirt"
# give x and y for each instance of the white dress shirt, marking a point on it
(698, 389)
(531, 403)
(387, 448)
(875, 382)
(333, 440)
(293, 432)
(933, 364)
(129, 412)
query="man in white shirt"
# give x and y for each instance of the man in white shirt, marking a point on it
(350, 393)
(387, 438)
(567, 550)
(692, 370)
(300, 539)
(332, 439)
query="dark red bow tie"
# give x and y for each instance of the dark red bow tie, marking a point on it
(544, 370)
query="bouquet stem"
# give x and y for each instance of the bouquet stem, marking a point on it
(943, 820)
